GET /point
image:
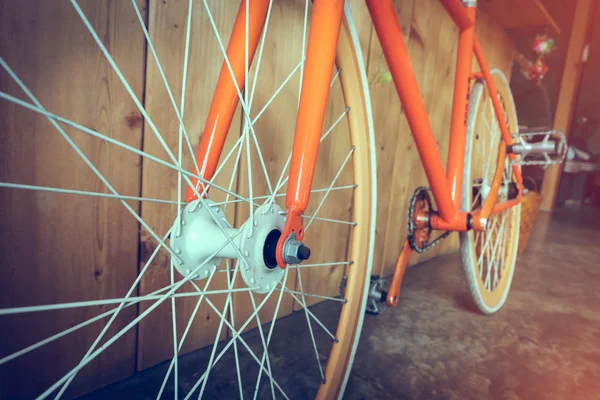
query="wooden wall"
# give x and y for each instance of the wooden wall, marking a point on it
(49, 47)
(54, 247)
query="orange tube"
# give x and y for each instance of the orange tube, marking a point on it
(390, 35)
(459, 224)
(500, 206)
(458, 13)
(394, 291)
(226, 98)
(480, 222)
(460, 109)
(320, 56)
(489, 81)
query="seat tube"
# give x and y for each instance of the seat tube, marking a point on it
(390, 36)
(226, 98)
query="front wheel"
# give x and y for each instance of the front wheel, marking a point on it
(78, 309)
(488, 257)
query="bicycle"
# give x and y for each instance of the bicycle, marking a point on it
(268, 240)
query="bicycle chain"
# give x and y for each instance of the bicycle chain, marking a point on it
(563, 142)
(411, 226)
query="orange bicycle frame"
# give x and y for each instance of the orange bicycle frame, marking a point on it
(446, 186)
(446, 183)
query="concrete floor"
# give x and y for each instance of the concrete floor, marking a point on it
(543, 344)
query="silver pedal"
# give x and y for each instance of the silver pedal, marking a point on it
(377, 296)
(550, 150)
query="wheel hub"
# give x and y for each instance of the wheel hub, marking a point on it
(199, 237)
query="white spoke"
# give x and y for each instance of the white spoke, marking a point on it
(54, 118)
(83, 156)
(129, 326)
(70, 330)
(218, 335)
(244, 105)
(312, 335)
(303, 54)
(271, 328)
(488, 238)
(264, 343)
(493, 261)
(333, 189)
(92, 303)
(336, 221)
(233, 175)
(268, 103)
(281, 181)
(303, 294)
(250, 185)
(161, 72)
(245, 132)
(149, 121)
(479, 235)
(486, 283)
(260, 53)
(262, 162)
(115, 315)
(337, 72)
(235, 348)
(182, 132)
(185, 333)
(337, 175)
(234, 337)
(504, 240)
(119, 74)
(329, 264)
(313, 316)
(82, 193)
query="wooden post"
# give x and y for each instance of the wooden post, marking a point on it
(569, 88)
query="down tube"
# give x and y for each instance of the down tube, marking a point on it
(226, 99)
(390, 35)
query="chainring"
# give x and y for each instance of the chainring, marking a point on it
(419, 231)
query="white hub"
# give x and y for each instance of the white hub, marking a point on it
(254, 271)
(199, 236)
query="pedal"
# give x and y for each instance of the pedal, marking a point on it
(376, 296)
(543, 148)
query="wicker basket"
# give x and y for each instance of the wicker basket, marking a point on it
(530, 205)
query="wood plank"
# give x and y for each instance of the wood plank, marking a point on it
(167, 21)
(569, 88)
(519, 15)
(54, 247)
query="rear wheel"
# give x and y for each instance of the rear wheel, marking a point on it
(488, 257)
(238, 221)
